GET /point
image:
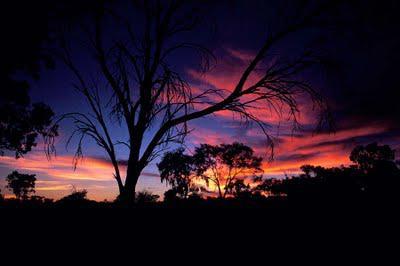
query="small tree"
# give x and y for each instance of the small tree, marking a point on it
(225, 164)
(176, 169)
(21, 184)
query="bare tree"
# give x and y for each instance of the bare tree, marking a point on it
(151, 99)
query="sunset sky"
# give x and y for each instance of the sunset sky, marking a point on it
(361, 93)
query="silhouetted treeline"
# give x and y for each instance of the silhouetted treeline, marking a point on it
(374, 177)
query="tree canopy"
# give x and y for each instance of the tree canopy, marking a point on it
(367, 157)
(21, 184)
(222, 167)
(21, 124)
(176, 169)
(224, 164)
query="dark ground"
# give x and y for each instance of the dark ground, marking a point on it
(286, 233)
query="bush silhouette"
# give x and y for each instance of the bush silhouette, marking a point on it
(76, 198)
(145, 197)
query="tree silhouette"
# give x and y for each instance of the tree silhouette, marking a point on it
(21, 184)
(223, 165)
(177, 169)
(381, 172)
(151, 98)
(367, 157)
(20, 121)
(21, 124)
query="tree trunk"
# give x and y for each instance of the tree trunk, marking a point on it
(221, 196)
(129, 191)
(127, 196)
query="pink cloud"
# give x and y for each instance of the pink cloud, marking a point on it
(291, 152)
